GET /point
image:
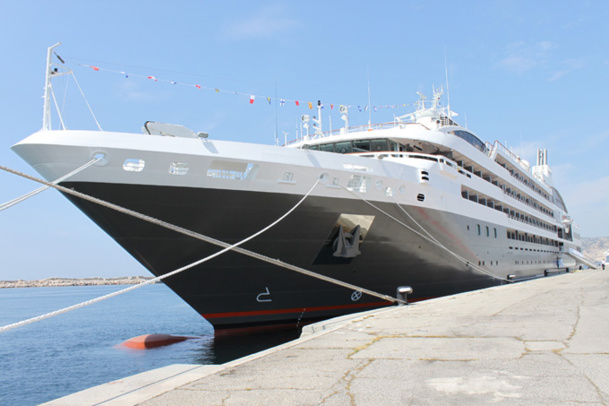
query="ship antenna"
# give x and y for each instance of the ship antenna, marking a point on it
(46, 117)
(276, 117)
(369, 109)
(447, 88)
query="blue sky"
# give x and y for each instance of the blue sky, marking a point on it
(531, 74)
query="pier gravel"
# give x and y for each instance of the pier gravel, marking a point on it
(539, 342)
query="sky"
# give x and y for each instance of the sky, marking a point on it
(531, 74)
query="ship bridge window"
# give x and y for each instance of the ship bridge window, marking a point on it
(558, 199)
(361, 146)
(472, 139)
(344, 147)
(379, 145)
(348, 147)
(327, 147)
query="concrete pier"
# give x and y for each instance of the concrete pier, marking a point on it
(544, 341)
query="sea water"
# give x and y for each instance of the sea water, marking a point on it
(77, 350)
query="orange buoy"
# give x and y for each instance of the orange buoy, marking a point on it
(153, 340)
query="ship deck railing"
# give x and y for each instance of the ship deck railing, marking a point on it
(356, 129)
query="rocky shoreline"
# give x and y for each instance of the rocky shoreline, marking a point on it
(55, 282)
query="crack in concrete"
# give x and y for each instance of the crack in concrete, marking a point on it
(350, 376)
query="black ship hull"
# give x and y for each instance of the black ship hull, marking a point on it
(235, 291)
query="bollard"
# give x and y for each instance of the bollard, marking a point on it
(403, 292)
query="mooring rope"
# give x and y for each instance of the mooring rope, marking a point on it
(202, 237)
(226, 246)
(154, 280)
(430, 239)
(26, 196)
(439, 244)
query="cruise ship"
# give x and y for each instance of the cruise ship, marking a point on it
(419, 202)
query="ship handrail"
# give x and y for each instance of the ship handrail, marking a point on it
(355, 129)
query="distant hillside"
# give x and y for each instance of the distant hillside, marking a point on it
(595, 248)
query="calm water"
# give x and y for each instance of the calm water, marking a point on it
(77, 350)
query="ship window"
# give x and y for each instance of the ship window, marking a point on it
(357, 183)
(231, 170)
(478, 229)
(178, 168)
(472, 139)
(327, 147)
(379, 145)
(344, 147)
(134, 165)
(495, 232)
(421, 197)
(361, 146)
(488, 233)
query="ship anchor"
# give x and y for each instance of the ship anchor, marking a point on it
(346, 245)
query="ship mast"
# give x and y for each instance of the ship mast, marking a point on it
(46, 118)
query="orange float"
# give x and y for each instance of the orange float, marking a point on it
(147, 341)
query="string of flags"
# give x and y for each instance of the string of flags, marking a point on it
(252, 97)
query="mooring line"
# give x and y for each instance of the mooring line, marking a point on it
(226, 246)
(430, 239)
(433, 240)
(205, 238)
(26, 196)
(154, 280)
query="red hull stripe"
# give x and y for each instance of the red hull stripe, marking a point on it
(297, 310)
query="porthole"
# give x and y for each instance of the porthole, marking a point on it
(134, 165)
(178, 168)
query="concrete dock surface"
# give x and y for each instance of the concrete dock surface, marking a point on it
(544, 341)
